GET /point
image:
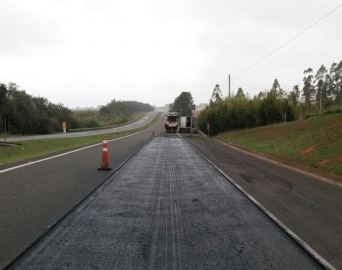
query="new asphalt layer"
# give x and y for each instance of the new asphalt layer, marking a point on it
(160, 211)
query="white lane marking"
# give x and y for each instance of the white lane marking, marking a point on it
(41, 160)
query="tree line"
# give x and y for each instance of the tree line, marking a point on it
(117, 112)
(28, 114)
(320, 92)
(323, 88)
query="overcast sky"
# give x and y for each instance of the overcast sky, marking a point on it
(88, 52)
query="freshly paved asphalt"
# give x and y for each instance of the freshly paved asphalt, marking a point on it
(160, 211)
(310, 207)
(37, 195)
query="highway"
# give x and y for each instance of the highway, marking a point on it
(137, 124)
(160, 211)
(166, 207)
(307, 204)
(35, 195)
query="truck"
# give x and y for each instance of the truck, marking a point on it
(171, 121)
(187, 123)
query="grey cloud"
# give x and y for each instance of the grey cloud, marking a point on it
(99, 4)
(23, 33)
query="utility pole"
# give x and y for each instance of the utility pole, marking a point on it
(228, 85)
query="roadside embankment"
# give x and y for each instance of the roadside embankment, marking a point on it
(314, 144)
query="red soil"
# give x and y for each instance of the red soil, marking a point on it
(307, 150)
(334, 160)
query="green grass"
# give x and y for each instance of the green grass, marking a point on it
(28, 149)
(315, 142)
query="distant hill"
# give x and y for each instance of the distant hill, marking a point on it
(199, 107)
(86, 108)
(164, 108)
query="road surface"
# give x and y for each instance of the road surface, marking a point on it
(309, 206)
(140, 123)
(35, 195)
(160, 211)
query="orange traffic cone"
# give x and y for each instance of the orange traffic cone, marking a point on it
(104, 165)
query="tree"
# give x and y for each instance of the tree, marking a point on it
(262, 95)
(184, 103)
(240, 93)
(321, 86)
(217, 95)
(276, 90)
(3, 92)
(335, 85)
(308, 88)
(294, 95)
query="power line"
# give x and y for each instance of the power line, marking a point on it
(286, 42)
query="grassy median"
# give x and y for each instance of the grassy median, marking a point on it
(28, 149)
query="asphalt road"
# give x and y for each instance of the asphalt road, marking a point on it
(35, 195)
(310, 207)
(167, 208)
(137, 124)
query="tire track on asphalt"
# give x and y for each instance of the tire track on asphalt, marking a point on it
(167, 229)
(175, 214)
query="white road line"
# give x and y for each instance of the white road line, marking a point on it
(67, 153)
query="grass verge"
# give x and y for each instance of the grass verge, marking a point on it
(28, 149)
(314, 142)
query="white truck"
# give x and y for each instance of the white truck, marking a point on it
(187, 123)
(171, 121)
